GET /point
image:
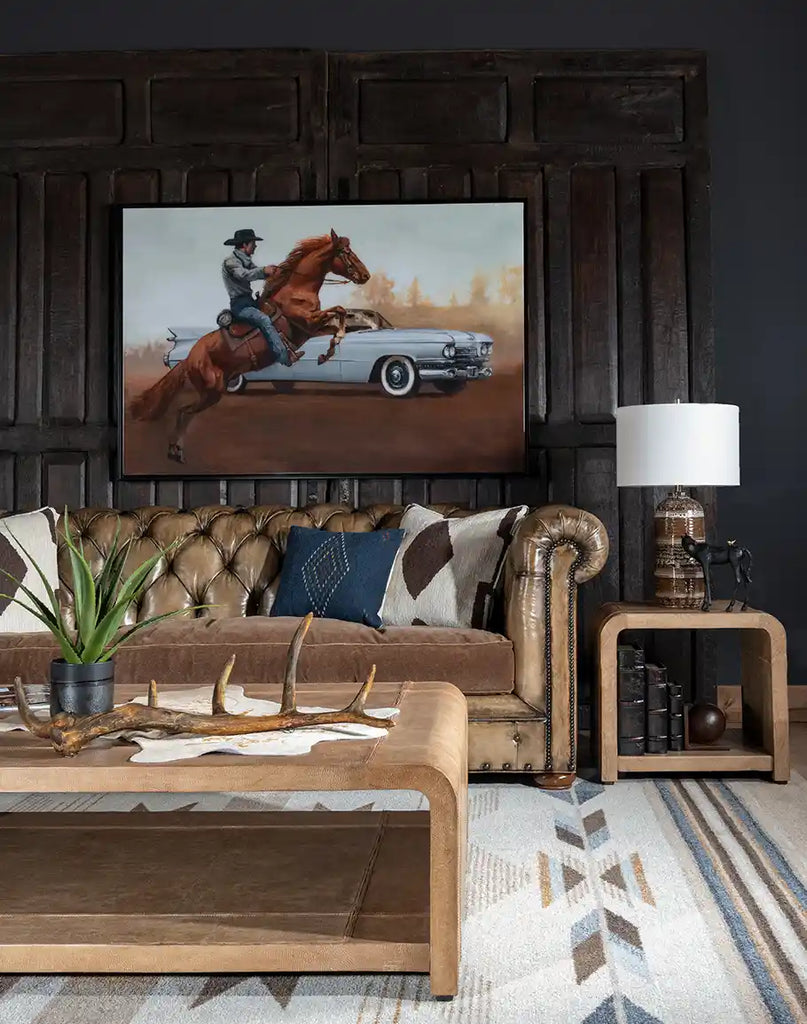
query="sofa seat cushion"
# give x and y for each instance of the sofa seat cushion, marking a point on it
(193, 652)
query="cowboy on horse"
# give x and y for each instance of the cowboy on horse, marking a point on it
(289, 298)
(239, 271)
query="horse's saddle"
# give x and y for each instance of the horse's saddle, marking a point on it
(237, 333)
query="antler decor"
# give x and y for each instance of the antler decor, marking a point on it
(69, 733)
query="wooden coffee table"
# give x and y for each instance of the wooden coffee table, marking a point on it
(244, 892)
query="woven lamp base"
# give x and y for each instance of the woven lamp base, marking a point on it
(678, 578)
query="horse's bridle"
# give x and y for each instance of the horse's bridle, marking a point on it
(349, 258)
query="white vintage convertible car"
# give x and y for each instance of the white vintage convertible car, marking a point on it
(398, 359)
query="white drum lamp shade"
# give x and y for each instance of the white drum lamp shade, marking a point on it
(678, 445)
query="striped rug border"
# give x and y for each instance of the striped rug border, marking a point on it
(763, 927)
(775, 855)
(680, 805)
(766, 870)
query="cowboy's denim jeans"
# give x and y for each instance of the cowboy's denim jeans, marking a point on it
(252, 315)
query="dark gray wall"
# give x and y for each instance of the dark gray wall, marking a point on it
(758, 92)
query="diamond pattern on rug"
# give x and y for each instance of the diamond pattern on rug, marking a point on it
(636, 1015)
(324, 570)
(626, 942)
(606, 1013)
(7, 982)
(660, 947)
(398, 800)
(281, 986)
(96, 1000)
(596, 829)
(615, 876)
(588, 950)
(566, 796)
(626, 879)
(584, 791)
(561, 878)
(246, 803)
(216, 985)
(320, 806)
(569, 833)
(492, 879)
(140, 807)
(602, 929)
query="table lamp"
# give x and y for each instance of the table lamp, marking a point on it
(686, 444)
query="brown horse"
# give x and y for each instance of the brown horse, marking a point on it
(291, 297)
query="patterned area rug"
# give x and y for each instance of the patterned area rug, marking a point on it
(645, 901)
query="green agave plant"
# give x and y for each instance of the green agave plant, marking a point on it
(99, 603)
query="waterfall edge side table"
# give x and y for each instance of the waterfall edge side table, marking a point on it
(762, 745)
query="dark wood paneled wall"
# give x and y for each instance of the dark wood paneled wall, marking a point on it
(77, 133)
(609, 149)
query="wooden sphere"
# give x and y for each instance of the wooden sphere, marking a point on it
(707, 723)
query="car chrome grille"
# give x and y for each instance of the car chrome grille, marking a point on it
(451, 364)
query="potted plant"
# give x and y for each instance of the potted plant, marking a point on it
(82, 680)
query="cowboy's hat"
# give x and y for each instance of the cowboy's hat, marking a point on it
(243, 235)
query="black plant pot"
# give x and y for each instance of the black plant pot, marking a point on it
(81, 689)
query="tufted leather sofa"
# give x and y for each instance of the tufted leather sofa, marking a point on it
(520, 682)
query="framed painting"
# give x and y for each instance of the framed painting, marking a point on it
(323, 339)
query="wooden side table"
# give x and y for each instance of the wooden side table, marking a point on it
(763, 743)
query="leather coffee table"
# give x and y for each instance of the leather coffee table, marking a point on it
(212, 892)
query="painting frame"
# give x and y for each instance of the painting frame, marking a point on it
(179, 473)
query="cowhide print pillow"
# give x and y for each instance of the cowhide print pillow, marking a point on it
(446, 570)
(26, 536)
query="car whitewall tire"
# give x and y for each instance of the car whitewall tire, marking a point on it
(236, 384)
(399, 377)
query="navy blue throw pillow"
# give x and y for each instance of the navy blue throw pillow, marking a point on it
(336, 575)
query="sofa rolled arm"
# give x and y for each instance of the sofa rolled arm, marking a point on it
(555, 548)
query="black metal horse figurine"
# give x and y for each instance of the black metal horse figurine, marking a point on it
(707, 555)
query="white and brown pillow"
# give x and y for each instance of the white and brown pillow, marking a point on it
(447, 570)
(23, 537)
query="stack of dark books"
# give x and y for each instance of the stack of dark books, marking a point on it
(630, 694)
(675, 711)
(651, 709)
(656, 696)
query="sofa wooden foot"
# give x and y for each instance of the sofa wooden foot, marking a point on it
(554, 780)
